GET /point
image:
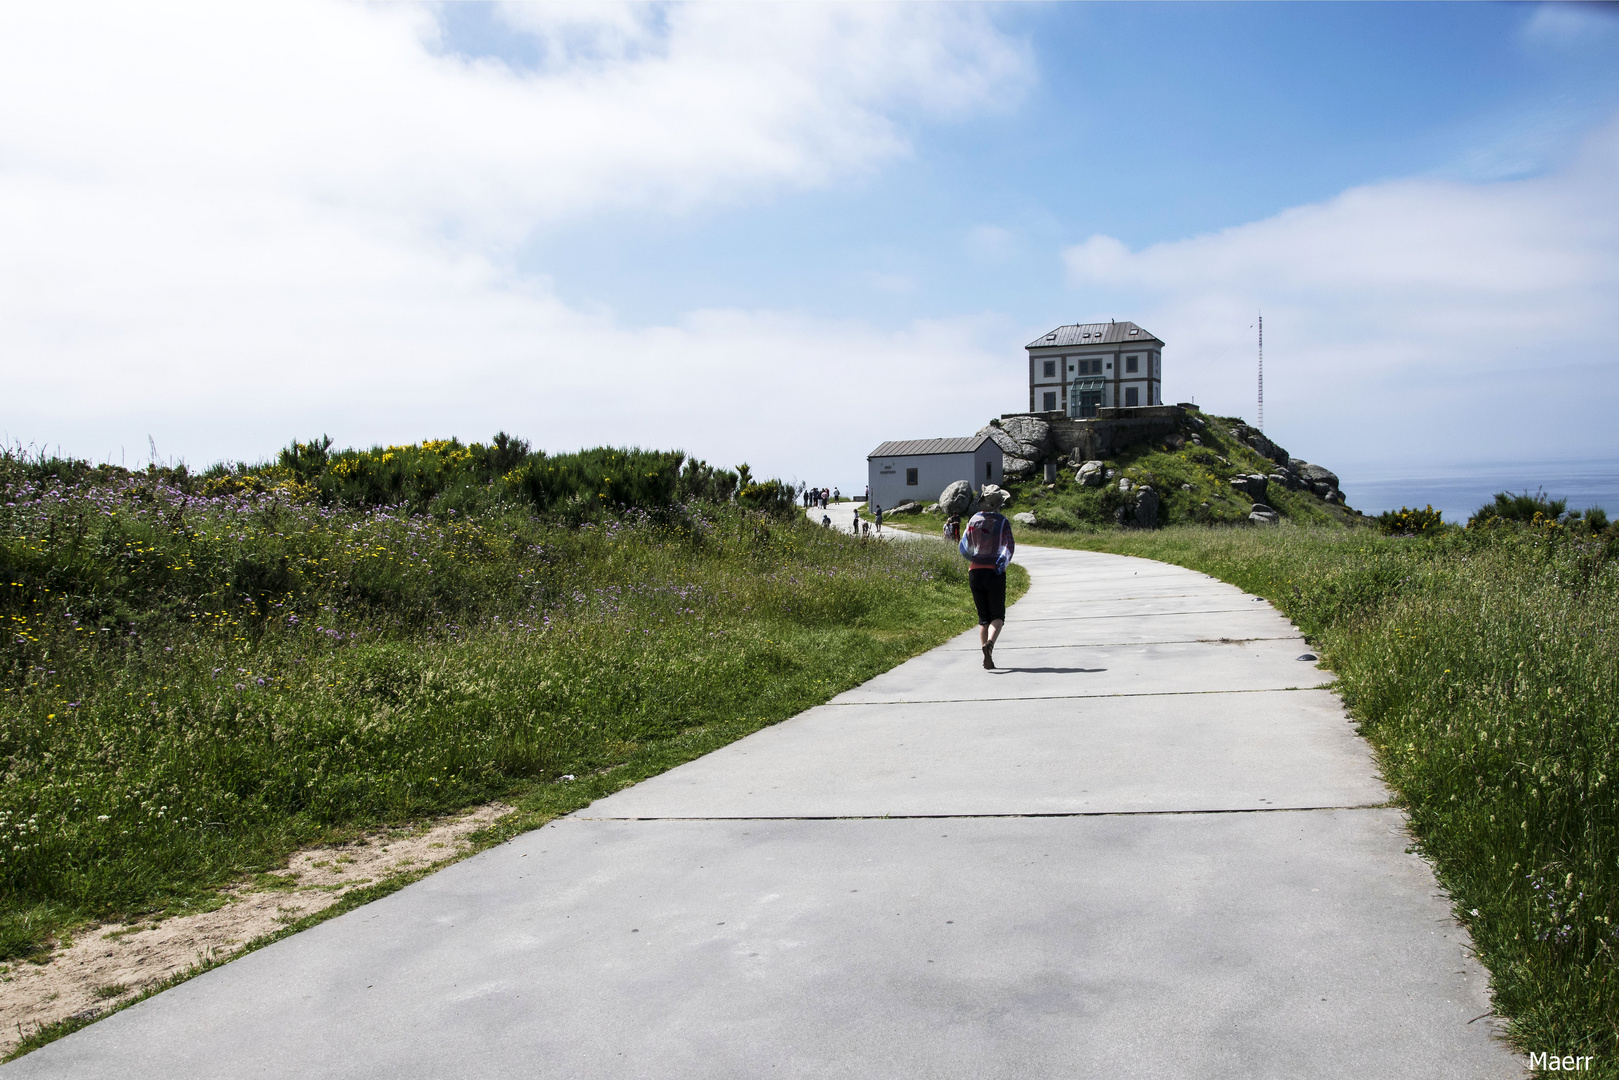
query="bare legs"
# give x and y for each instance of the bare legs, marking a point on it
(986, 641)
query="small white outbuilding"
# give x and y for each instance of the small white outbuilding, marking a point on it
(918, 470)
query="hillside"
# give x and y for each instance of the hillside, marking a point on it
(1209, 470)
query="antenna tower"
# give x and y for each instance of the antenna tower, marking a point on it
(1262, 373)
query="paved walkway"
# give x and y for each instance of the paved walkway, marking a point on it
(1145, 847)
(842, 515)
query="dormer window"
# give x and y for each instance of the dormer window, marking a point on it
(1132, 333)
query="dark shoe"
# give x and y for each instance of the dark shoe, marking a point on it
(989, 658)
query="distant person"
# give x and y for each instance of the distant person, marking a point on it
(952, 528)
(856, 525)
(878, 510)
(826, 521)
(837, 496)
(988, 546)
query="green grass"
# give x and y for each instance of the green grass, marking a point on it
(1483, 667)
(201, 675)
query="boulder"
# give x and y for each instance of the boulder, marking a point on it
(1016, 466)
(904, 508)
(1146, 508)
(1255, 439)
(957, 498)
(1252, 485)
(1263, 517)
(1140, 508)
(1029, 432)
(1007, 444)
(1090, 474)
(1315, 474)
(1125, 485)
(931, 508)
(1287, 478)
(1025, 518)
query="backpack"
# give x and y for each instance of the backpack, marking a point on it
(983, 540)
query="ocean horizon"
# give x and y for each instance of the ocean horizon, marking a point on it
(1459, 490)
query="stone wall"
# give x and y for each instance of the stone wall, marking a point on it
(1111, 430)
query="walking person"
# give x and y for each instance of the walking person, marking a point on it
(878, 509)
(987, 545)
(856, 526)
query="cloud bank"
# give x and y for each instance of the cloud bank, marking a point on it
(1407, 323)
(232, 226)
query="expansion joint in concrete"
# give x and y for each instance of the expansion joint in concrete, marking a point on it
(1031, 814)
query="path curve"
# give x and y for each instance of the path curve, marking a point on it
(1149, 845)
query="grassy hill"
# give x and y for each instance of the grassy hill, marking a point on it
(1191, 472)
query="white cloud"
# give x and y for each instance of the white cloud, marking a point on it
(240, 222)
(1415, 320)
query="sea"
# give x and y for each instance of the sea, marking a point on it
(1459, 490)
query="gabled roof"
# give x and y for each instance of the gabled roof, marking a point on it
(922, 447)
(1100, 333)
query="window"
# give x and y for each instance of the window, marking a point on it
(1051, 401)
(1132, 396)
(1130, 363)
(1050, 370)
(987, 467)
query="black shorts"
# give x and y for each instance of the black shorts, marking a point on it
(989, 594)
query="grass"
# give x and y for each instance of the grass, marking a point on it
(1483, 667)
(202, 674)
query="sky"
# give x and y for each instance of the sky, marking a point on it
(785, 234)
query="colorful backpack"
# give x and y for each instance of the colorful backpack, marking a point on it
(983, 540)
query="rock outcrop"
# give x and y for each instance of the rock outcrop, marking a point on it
(1255, 440)
(1140, 506)
(1025, 518)
(1251, 485)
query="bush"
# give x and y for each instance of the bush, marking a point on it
(1408, 522)
(1523, 508)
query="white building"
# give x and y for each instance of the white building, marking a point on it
(918, 470)
(1078, 369)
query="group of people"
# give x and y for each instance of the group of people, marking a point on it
(819, 497)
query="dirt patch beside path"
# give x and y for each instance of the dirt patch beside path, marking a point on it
(111, 963)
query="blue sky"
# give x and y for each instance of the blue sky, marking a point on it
(786, 234)
(1145, 122)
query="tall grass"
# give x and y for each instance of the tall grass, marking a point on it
(199, 674)
(1483, 666)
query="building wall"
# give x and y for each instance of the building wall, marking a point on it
(935, 472)
(1147, 378)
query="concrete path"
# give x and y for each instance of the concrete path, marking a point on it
(842, 515)
(1145, 847)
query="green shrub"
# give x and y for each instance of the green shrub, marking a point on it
(1408, 522)
(1522, 507)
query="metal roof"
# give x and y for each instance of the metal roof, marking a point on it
(922, 447)
(1101, 333)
